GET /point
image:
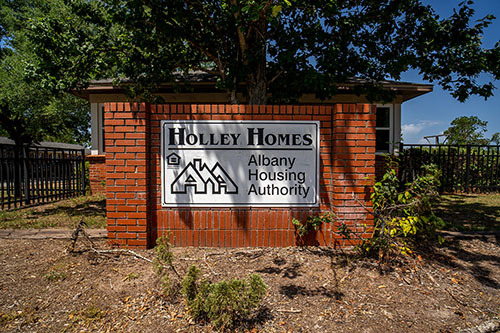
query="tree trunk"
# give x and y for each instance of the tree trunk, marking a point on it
(256, 78)
(257, 87)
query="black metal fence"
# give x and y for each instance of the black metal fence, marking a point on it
(34, 175)
(464, 168)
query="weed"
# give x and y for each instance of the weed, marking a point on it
(131, 276)
(26, 316)
(54, 275)
(92, 312)
(10, 316)
(163, 262)
(87, 315)
(313, 223)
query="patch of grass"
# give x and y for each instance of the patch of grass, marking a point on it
(27, 316)
(131, 276)
(84, 316)
(61, 214)
(57, 271)
(465, 212)
(54, 275)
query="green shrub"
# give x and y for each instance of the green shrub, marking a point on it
(403, 217)
(223, 302)
(189, 288)
(403, 214)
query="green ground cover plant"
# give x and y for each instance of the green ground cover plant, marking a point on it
(62, 214)
(469, 212)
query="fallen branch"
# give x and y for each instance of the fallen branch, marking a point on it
(289, 310)
(208, 265)
(80, 229)
(124, 251)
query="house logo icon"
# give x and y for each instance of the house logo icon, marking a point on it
(173, 159)
(203, 180)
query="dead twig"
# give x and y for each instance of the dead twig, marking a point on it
(80, 229)
(289, 310)
(208, 265)
(124, 251)
(456, 299)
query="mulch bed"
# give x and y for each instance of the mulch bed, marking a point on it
(43, 288)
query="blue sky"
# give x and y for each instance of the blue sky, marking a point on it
(432, 113)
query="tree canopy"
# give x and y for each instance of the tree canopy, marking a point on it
(466, 131)
(495, 138)
(28, 111)
(270, 50)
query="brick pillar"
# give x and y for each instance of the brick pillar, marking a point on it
(97, 173)
(127, 167)
(354, 166)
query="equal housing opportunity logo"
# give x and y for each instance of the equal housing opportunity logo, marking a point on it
(240, 163)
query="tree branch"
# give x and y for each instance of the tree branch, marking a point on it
(241, 36)
(274, 78)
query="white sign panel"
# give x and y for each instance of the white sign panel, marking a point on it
(240, 163)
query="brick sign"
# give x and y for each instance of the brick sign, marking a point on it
(239, 163)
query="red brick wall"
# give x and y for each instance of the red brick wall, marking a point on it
(97, 173)
(136, 218)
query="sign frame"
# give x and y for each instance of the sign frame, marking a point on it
(258, 149)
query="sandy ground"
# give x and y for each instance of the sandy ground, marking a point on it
(43, 288)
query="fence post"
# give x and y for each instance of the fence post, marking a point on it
(27, 199)
(467, 169)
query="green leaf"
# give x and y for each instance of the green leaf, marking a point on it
(70, 43)
(276, 10)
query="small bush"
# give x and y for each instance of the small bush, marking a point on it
(223, 302)
(163, 262)
(403, 214)
(403, 217)
(189, 284)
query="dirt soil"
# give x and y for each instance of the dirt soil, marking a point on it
(45, 289)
